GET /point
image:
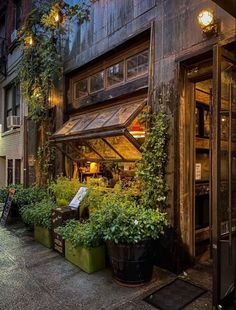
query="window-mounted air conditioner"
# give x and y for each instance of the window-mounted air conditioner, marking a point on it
(13, 122)
(13, 36)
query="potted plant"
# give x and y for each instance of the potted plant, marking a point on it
(129, 231)
(39, 215)
(83, 245)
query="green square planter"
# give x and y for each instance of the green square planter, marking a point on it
(43, 236)
(88, 259)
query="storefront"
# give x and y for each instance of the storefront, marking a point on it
(106, 94)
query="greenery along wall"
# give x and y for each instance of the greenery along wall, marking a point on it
(40, 38)
(153, 165)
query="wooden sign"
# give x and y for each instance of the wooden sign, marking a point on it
(58, 244)
(7, 206)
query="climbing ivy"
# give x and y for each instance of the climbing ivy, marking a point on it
(152, 168)
(41, 39)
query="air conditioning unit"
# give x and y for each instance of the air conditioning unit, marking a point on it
(13, 36)
(13, 122)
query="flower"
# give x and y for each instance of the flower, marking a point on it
(135, 222)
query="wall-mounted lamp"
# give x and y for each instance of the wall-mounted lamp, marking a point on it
(207, 22)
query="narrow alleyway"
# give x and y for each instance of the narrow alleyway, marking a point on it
(34, 277)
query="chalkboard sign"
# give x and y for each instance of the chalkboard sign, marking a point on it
(7, 206)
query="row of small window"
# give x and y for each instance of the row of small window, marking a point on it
(125, 70)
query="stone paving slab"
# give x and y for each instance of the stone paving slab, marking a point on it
(33, 277)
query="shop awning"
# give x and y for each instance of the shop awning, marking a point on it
(102, 134)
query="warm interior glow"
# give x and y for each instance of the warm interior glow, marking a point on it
(30, 41)
(94, 167)
(205, 18)
(57, 17)
(137, 131)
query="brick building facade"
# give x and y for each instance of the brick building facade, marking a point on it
(12, 108)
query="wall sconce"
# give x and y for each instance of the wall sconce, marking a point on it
(207, 23)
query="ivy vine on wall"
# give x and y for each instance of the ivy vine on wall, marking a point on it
(40, 39)
(152, 167)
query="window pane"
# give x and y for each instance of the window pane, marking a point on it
(83, 122)
(17, 171)
(123, 114)
(115, 74)
(17, 111)
(137, 65)
(17, 95)
(143, 62)
(101, 119)
(9, 171)
(124, 147)
(97, 82)
(132, 65)
(81, 88)
(9, 98)
(103, 149)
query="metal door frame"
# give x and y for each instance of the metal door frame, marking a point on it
(218, 53)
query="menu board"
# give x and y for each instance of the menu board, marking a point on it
(7, 206)
(75, 202)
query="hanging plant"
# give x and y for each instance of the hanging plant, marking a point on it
(152, 168)
(40, 39)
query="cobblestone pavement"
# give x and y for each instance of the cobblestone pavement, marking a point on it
(34, 277)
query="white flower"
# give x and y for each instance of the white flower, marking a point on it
(135, 222)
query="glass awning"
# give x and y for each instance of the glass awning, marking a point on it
(104, 134)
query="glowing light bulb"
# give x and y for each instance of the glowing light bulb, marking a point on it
(205, 18)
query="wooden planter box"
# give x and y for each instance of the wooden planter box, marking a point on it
(88, 259)
(43, 236)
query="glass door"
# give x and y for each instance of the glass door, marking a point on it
(223, 175)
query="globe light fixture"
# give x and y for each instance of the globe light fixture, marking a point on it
(207, 22)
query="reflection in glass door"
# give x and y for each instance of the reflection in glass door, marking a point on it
(223, 174)
(202, 212)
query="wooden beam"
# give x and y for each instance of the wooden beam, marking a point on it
(229, 6)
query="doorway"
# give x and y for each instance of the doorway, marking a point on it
(210, 152)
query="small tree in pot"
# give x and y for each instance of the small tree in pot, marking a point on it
(129, 230)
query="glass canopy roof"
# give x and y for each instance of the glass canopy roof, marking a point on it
(102, 134)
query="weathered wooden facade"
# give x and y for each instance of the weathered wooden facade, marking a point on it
(198, 70)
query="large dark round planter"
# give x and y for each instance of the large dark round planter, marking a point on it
(132, 264)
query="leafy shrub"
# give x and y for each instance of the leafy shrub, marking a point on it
(92, 200)
(29, 195)
(122, 220)
(80, 234)
(64, 189)
(3, 194)
(39, 213)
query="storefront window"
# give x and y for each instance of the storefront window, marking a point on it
(115, 74)
(97, 82)
(81, 88)
(137, 65)
(123, 146)
(104, 149)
